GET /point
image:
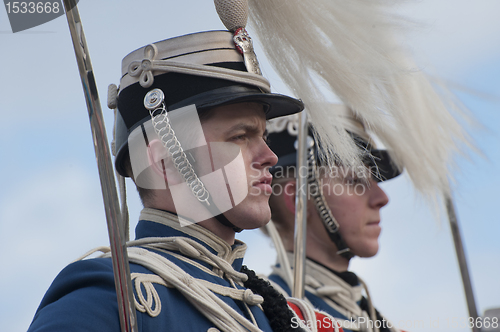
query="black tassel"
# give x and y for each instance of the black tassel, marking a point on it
(275, 307)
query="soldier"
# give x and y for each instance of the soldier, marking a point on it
(351, 51)
(202, 174)
(343, 217)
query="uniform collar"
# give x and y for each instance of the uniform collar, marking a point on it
(318, 276)
(158, 223)
(321, 276)
(349, 277)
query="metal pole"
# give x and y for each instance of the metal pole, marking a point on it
(300, 210)
(123, 284)
(462, 261)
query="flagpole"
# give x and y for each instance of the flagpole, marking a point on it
(300, 209)
(462, 261)
(123, 284)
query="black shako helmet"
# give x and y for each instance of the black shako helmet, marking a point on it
(205, 69)
(282, 138)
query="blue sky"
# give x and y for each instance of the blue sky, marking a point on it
(50, 201)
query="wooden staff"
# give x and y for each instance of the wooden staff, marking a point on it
(462, 261)
(123, 284)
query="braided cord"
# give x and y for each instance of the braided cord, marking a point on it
(146, 77)
(166, 133)
(316, 193)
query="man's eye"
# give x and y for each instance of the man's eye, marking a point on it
(353, 181)
(238, 137)
(266, 140)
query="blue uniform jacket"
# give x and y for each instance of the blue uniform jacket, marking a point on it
(325, 277)
(83, 297)
(316, 301)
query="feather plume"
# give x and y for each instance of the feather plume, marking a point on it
(350, 48)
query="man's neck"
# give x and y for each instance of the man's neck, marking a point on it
(224, 232)
(166, 203)
(327, 257)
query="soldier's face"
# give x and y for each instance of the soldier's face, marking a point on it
(244, 125)
(356, 206)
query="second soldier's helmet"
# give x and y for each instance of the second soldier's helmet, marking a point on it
(283, 136)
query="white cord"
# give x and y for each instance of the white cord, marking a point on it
(281, 253)
(371, 308)
(145, 69)
(197, 291)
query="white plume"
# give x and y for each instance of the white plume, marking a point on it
(350, 47)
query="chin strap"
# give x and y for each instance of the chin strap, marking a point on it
(220, 217)
(316, 192)
(154, 103)
(223, 220)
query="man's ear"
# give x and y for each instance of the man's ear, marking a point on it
(161, 162)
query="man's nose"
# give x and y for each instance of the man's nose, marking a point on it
(266, 156)
(378, 197)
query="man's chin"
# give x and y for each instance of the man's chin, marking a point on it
(368, 252)
(249, 219)
(259, 224)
